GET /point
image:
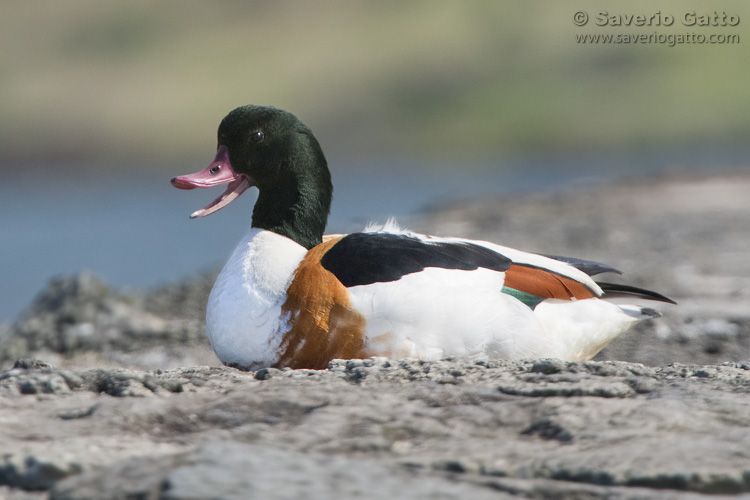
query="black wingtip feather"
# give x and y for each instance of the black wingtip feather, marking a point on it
(612, 290)
(587, 266)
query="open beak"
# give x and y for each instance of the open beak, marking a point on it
(220, 171)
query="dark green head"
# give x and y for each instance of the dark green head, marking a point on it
(271, 149)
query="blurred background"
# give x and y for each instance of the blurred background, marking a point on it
(416, 104)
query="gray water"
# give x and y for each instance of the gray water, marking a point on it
(130, 227)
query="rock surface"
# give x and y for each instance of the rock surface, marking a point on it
(379, 428)
(661, 413)
(80, 321)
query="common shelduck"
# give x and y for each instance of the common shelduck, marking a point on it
(291, 297)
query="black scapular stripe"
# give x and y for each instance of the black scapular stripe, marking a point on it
(366, 258)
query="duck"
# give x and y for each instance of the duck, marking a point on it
(292, 296)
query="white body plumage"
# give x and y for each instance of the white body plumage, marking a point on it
(427, 315)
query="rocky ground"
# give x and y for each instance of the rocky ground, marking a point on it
(129, 402)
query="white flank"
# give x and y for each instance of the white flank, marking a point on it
(445, 312)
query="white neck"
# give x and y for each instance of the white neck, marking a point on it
(244, 308)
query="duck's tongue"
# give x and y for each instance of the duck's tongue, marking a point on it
(220, 171)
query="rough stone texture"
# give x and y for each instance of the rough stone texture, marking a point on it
(80, 321)
(380, 428)
(119, 420)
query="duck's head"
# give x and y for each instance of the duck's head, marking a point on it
(272, 150)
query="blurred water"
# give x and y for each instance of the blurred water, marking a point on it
(132, 228)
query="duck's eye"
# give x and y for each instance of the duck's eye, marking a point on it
(257, 136)
(215, 169)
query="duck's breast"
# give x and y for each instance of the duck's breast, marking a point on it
(243, 317)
